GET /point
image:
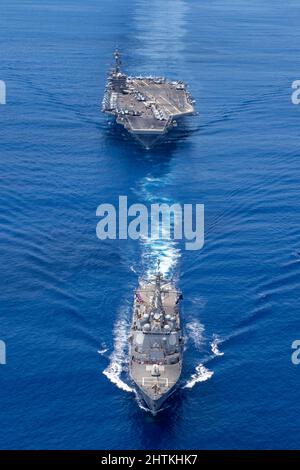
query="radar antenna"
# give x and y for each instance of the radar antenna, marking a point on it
(157, 300)
(118, 60)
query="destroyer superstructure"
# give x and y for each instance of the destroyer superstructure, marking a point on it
(146, 106)
(156, 341)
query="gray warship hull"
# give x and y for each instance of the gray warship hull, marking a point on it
(155, 403)
(147, 107)
(156, 342)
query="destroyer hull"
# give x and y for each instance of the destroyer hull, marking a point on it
(155, 390)
(156, 341)
(154, 404)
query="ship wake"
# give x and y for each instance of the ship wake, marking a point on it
(201, 375)
(160, 246)
(215, 346)
(195, 334)
(119, 358)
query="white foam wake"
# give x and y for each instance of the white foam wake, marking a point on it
(132, 268)
(160, 244)
(102, 351)
(195, 331)
(118, 357)
(201, 375)
(164, 250)
(215, 346)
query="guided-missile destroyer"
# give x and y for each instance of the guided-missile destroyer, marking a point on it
(146, 106)
(156, 341)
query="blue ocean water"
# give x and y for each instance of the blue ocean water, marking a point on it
(66, 296)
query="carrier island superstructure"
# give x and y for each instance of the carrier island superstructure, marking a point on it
(156, 341)
(147, 107)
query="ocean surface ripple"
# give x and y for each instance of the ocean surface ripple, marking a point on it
(66, 296)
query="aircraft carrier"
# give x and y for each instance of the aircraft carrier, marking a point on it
(156, 341)
(147, 107)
